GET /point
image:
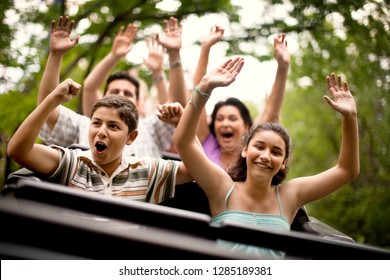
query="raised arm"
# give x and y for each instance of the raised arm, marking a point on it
(274, 101)
(60, 43)
(91, 87)
(22, 148)
(208, 175)
(171, 40)
(154, 62)
(348, 166)
(207, 42)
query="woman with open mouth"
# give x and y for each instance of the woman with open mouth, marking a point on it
(222, 138)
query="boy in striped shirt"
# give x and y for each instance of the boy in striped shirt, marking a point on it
(104, 168)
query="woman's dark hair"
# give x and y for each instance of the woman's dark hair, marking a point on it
(125, 108)
(238, 172)
(244, 112)
(123, 75)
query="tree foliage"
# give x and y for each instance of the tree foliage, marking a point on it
(351, 38)
(356, 48)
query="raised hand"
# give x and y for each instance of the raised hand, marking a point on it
(225, 74)
(342, 100)
(281, 53)
(155, 59)
(60, 35)
(170, 113)
(123, 41)
(66, 90)
(213, 37)
(171, 40)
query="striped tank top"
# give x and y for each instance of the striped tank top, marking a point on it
(266, 220)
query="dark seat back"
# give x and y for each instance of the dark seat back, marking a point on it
(44, 219)
(79, 221)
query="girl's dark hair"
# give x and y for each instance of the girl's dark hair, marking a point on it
(125, 108)
(238, 171)
(123, 75)
(244, 112)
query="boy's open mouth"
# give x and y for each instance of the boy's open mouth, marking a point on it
(100, 146)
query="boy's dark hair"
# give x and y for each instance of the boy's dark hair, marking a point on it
(239, 170)
(126, 109)
(244, 112)
(123, 75)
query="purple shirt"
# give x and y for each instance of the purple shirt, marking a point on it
(212, 150)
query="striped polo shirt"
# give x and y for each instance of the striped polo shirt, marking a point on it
(137, 178)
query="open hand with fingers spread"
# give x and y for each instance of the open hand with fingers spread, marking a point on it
(171, 40)
(222, 76)
(155, 59)
(341, 99)
(123, 41)
(60, 41)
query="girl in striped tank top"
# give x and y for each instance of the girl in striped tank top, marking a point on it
(254, 191)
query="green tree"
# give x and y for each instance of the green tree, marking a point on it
(352, 40)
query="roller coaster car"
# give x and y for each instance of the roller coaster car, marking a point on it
(42, 220)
